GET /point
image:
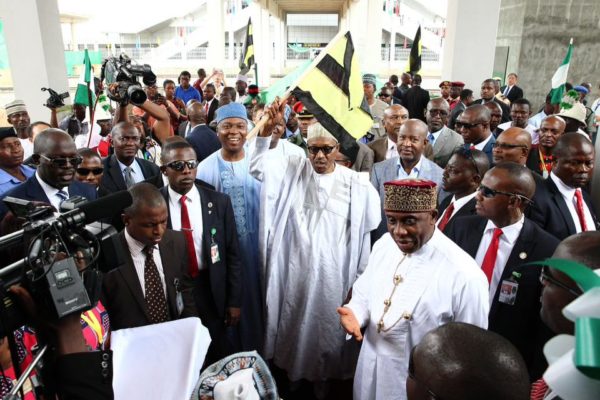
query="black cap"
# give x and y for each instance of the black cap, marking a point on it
(7, 132)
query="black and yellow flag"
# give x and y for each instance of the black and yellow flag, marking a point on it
(332, 89)
(247, 57)
(414, 60)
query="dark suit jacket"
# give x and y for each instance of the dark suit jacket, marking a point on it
(415, 100)
(533, 160)
(465, 211)
(225, 274)
(487, 149)
(211, 110)
(85, 376)
(182, 128)
(32, 190)
(550, 211)
(379, 147)
(204, 141)
(505, 109)
(122, 293)
(514, 93)
(460, 107)
(519, 323)
(113, 181)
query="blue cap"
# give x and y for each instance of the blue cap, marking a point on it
(581, 89)
(231, 110)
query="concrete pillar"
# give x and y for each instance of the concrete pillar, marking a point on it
(257, 36)
(466, 59)
(365, 26)
(264, 69)
(35, 51)
(216, 40)
(279, 39)
(392, 43)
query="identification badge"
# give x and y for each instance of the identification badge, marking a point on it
(214, 253)
(508, 292)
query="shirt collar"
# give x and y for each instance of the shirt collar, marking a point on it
(192, 196)
(436, 134)
(5, 177)
(49, 190)
(135, 247)
(565, 190)
(481, 145)
(390, 143)
(463, 200)
(510, 233)
(134, 166)
(416, 168)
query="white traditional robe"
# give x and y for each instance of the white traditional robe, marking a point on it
(441, 283)
(314, 244)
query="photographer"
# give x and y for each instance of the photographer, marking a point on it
(76, 123)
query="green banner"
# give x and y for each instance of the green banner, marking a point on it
(74, 59)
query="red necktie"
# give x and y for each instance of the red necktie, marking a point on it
(579, 208)
(490, 255)
(446, 217)
(472, 148)
(186, 227)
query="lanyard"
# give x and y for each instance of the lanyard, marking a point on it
(543, 164)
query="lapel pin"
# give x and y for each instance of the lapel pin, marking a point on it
(209, 204)
(523, 255)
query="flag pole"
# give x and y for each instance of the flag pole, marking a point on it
(92, 113)
(256, 74)
(285, 96)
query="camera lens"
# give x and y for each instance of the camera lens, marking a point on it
(136, 95)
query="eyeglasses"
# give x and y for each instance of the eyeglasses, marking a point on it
(411, 375)
(314, 150)
(87, 171)
(506, 146)
(180, 165)
(441, 113)
(488, 193)
(546, 277)
(62, 162)
(464, 125)
(384, 95)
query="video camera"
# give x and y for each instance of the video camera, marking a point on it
(64, 258)
(55, 100)
(122, 72)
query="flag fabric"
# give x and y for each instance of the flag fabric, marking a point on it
(414, 60)
(280, 86)
(560, 77)
(247, 57)
(83, 92)
(331, 88)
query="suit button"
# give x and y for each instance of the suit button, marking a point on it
(105, 356)
(104, 364)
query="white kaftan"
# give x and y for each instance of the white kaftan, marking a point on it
(441, 283)
(314, 244)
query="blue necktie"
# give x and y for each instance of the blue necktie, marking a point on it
(431, 138)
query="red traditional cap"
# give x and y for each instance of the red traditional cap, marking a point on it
(410, 195)
(458, 84)
(253, 90)
(442, 83)
(298, 107)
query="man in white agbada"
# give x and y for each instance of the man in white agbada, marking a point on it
(416, 280)
(317, 217)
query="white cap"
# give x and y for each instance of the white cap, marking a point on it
(317, 131)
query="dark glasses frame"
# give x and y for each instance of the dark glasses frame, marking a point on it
(506, 146)
(61, 162)
(86, 171)
(546, 277)
(488, 193)
(180, 165)
(460, 125)
(314, 150)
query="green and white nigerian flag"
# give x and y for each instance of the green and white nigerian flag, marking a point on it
(560, 77)
(85, 92)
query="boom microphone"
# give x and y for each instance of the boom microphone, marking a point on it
(102, 208)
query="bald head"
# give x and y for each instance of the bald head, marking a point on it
(144, 195)
(518, 177)
(196, 114)
(459, 361)
(512, 145)
(48, 138)
(571, 143)
(495, 114)
(415, 126)
(582, 248)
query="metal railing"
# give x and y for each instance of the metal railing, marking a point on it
(401, 54)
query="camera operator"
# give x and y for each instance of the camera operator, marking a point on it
(54, 181)
(74, 124)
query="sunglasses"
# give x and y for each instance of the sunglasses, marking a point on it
(488, 193)
(464, 125)
(411, 375)
(546, 277)
(506, 146)
(384, 95)
(62, 162)
(87, 171)
(314, 150)
(180, 165)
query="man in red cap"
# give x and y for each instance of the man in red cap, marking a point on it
(416, 280)
(455, 89)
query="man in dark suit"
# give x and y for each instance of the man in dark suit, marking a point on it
(474, 126)
(501, 239)
(123, 169)
(465, 100)
(207, 220)
(564, 207)
(511, 91)
(462, 176)
(154, 284)
(385, 147)
(488, 93)
(203, 139)
(54, 181)
(210, 102)
(415, 99)
(540, 158)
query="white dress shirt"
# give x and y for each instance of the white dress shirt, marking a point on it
(52, 192)
(138, 175)
(479, 146)
(568, 193)
(509, 236)
(139, 261)
(194, 207)
(27, 146)
(458, 204)
(414, 173)
(392, 150)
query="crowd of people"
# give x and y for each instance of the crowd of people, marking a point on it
(401, 271)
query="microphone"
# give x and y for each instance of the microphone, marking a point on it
(102, 208)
